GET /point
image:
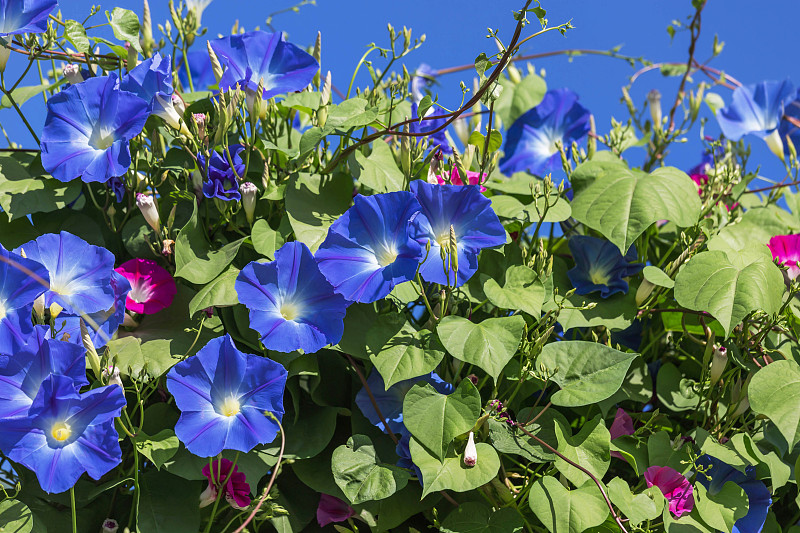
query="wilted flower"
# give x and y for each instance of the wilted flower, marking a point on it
(226, 475)
(531, 140)
(112, 375)
(786, 251)
(88, 128)
(292, 306)
(622, 425)
(674, 486)
(28, 16)
(470, 452)
(332, 509)
(222, 179)
(72, 73)
(599, 266)
(369, 248)
(224, 395)
(152, 287)
(149, 210)
(110, 526)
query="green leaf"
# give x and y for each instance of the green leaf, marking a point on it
(636, 507)
(521, 290)
(478, 140)
(509, 207)
(314, 202)
(780, 472)
(590, 448)
(360, 474)
(671, 390)
(587, 372)
(723, 509)
(567, 511)
(474, 517)
(22, 195)
(489, 345)
(657, 277)
(424, 105)
(125, 24)
(220, 292)
(167, 504)
(266, 240)
(15, 517)
(159, 448)
(195, 260)
(23, 94)
(661, 452)
(305, 101)
(436, 419)
(730, 286)
(527, 94)
(378, 171)
(602, 164)
(351, 113)
(76, 35)
(452, 473)
(407, 354)
(508, 439)
(774, 392)
(622, 203)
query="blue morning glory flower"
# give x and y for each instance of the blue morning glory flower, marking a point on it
(18, 287)
(531, 139)
(22, 372)
(259, 57)
(757, 109)
(199, 67)
(117, 186)
(599, 266)
(223, 395)
(24, 16)
(87, 130)
(15, 328)
(368, 249)
(292, 306)
(65, 433)
(150, 80)
(757, 493)
(404, 460)
(422, 79)
(80, 273)
(475, 225)
(221, 180)
(437, 140)
(390, 402)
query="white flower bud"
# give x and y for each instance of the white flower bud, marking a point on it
(719, 360)
(178, 103)
(170, 115)
(111, 375)
(249, 192)
(208, 496)
(72, 72)
(215, 66)
(110, 526)
(149, 211)
(470, 452)
(775, 143)
(91, 352)
(654, 102)
(4, 55)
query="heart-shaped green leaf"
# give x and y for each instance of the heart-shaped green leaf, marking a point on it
(567, 511)
(452, 473)
(636, 507)
(774, 392)
(407, 354)
(590, 448)
(489, 345)
(723, 509)
(522, 290)
(474, 517)
(360, 474)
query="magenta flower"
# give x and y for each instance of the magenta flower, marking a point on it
(700, 180)
(332, 509)
(474, 178)
(152, 287)
(674, 486)
(786, 250)
(235, 488)
(622, 425)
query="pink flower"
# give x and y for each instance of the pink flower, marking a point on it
(622, 425)
(674, 486)
(455, 178)
(332, 509)
(234, 485)
(700, 180)
(152, 287)
(786, 250)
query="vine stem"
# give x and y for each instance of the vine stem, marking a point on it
(617, 519)
(72, 507)
(695, 32)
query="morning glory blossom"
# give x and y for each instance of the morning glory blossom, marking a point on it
(15, 327)
(223, 395)
(292, 306)
(786, 251)
(758, 495)
(259, 57)
(151, 80)
(757, 109)
(674, 486)
(221, 179)
(390, 402)
(599, 266)
(80, 273)
(24, 16)
(22, 372)
(531, 139)
(368, 249)
(66, 433)
(19, 285)
(423, 78)
(88, 128)
(474, 225)
(152, 287)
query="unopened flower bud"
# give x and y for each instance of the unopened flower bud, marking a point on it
(719, 360)
(111, 375)
(110, 526)
(168, 248)
(73, 74)
(470, 452)
(133, 57)
(249, 192)
(91, 352)
(5, 52)
(149, 211)
(654, 102)
(215, 66)
(200, 121)
(775, 143)
(178, 103)
(208, 496)
(38, 305)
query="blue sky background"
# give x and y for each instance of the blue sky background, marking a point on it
(759, 44)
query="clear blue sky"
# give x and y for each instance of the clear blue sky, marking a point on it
(760, 42)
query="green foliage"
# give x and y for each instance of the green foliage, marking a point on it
(451, 473)
(563, 510)
(360, 474)
(489, 345)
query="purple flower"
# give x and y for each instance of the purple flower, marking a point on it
(259, 57)
(438, 140)
(221, 180)
(786, 251)
(331, 509)
(88, 128)
(292, 306)
(223, 395)
(24, 16)
(599, 266)
(622, 425)
(531, 140)
(65, 433)
(674, 486)
(369, 249)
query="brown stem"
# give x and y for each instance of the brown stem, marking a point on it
(695, 31)
(372, 398)
(269, 485)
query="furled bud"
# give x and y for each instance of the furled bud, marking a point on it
(249, 192)
(775, 143)
(719, 360)
(110, 526)
(405, 154)
(591, 141)
(147, 29)
(208, 496)
(5, 52)
(200, 122)
(739, 395)
(654, 103)
(514, 74)
(111, 376)
(178, 103)
(197, 183)
(38, 306)
(215, 66)
(133, 57)
(72, 72)
(317, 55)
(149, 211)
(644, 291)
(91, 352)
(166, 109)
(324, 100)
(470, 452)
